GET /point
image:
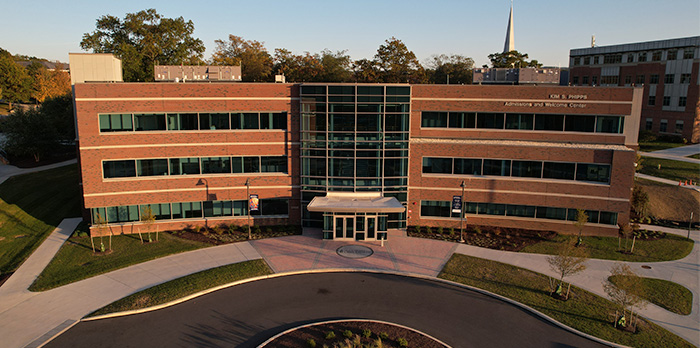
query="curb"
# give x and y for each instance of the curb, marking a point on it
(346, 270)
(350, 319)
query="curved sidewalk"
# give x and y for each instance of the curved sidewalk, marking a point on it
(7, 171)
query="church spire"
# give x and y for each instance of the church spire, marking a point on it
(510, 33)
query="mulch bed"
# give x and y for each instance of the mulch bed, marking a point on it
(222, 235)
(499, 238)
(301, 337)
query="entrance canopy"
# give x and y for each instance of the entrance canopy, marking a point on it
(355, 202)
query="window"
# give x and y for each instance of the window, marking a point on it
(577, 61)
(124, 213)
(434, 119)
(628, 79)
(584, 80)
(187, 210)
(612, 59)
(574, 80)
(609, 124)
(251, 164)
(608, 218)
(467, 166)
(669, 78)
(579, 123)
(685, 78)
(247, 120)
(667, 100)
(182, 122)
(273, 206)
(519, 121)
(594, 80)
(549, 122)
(672, 55)
(216, 165)
(520, 210)
(527, 169)
(663, 126)
(395, 123)
(679, 126)
(652, 100)
(682, 101)
(217, 208)
(149, 122)
(551, 213)
(119, 169)
(653, 79)
(273, 120)
(213, 121)
(152, 167)
(489, 120)
(437, 165)
(609, 80)
(642, 57)
(595, 60)
(115, 123)
(497, 167)
(656, 56)
(630, 58)
(462, 119)
(435, 208)
(559, 170)
(160, 211)
(688, 53)
(640, 79)
(586, 60)
(649, 124)
(184, 166)
(593, 172)
(273, 164)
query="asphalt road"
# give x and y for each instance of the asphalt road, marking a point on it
(248, 314)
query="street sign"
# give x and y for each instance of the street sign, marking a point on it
(457, 204)
(253, 202)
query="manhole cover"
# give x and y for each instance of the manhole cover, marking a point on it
(646, 267)
(354, 251)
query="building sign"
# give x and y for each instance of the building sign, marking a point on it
(253, 203)
(457, 204)
(563, 103)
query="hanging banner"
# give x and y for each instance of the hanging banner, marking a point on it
(253, 203)
(457, 204)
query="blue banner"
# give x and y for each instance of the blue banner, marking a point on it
(457, 204)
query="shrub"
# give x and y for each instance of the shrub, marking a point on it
(402, 342)
(256, 229)
(330, 335)
(347, 333)
(311, 343)
(417, 228)
(268, 230)
(477, 230)
(440, 230)
(367, 333)
(452, 232)
(384, 335)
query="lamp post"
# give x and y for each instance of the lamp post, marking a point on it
(200, 183)
(461, 215)
(247, 202)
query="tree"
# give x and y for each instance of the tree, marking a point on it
(512, 59)
(148, 218)
(58, 112)
(365, 71)
(581, 220)
(336, 66)
(251, 55)
(626, 290)
(568, 261)
(14, 81)
(455, 68)
(397, 64)
(29, 133)
(46, 83)
(144, 39)
(640, 201)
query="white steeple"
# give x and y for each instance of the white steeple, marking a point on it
(510, 32)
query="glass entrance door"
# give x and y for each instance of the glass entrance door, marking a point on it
(371, 227)
(344, 227)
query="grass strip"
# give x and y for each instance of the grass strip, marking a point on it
(658, 145)
(695, 156)
(76, 261)
(666, 294)
(31, 206)
(187, 285)
(584, 311)
(670, 169)
(671, 247)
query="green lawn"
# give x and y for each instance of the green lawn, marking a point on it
(673, 170)
(671, 247)
(76, 261)
(696, 156)
(181, 287)
(31, 206)
(584, 311)
(669, 295)
(657, 145)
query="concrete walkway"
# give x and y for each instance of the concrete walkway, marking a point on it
(30, 319)
(666, 181)
(7, 171)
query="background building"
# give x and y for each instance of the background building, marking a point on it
(668, 70)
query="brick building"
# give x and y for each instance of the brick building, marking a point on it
(356, 159)
(668, 70)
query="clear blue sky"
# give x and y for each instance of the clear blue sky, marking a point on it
(546, 30)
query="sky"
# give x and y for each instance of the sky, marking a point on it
(546, 30)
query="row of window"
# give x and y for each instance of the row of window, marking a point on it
(444, 209)
(359, 90)
(522, 121)
(355, 122)
(354, 167)
(663, 125)
(192, 121)
(518, 168)
(190, 210)
(666, 101)
(318, 105)
(193, 165)
(616, 58)
(639, 79)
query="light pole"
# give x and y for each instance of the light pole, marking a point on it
(200, 183)
(461, 215)
(247, 202)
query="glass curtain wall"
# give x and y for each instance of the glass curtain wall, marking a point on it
(354, 139)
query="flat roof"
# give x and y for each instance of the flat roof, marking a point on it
(355, 202)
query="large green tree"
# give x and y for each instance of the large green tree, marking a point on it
(27, 133)
(512, 59)
(336, 66)
(366, 71)
(251, 55)
(15, 84)
(397, 64)
(144, 39)
(456, 69)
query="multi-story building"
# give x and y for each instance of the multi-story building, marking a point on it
(668, 70)
(356, 159)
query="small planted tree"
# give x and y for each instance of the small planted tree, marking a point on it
(581, 220)
(640, 201)
(148, 218)
(626, 293)
(568, 261)
(100, 223)
(625, 231)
